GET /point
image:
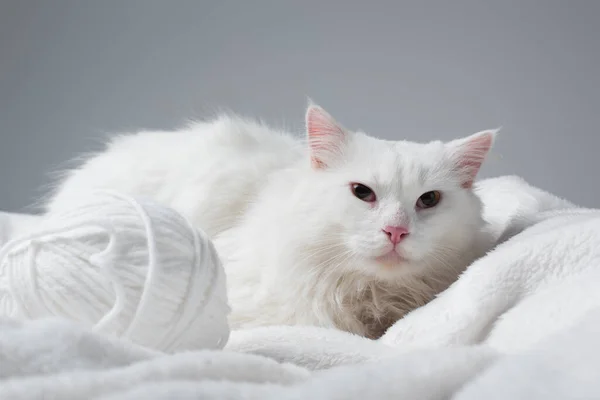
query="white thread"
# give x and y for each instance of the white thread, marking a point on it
(126, 267)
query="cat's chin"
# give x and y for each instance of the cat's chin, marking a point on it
(389, 266)
(391, 259)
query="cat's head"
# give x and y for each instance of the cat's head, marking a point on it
(387, 208)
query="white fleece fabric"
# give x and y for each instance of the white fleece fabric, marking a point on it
(523, 322)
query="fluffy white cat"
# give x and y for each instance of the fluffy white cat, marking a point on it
(339, 230)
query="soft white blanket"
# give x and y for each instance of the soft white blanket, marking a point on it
(523, 322)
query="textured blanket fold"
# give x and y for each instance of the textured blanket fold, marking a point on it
(562, 366)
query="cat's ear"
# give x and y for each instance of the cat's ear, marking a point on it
(326, 137)
(468, 154)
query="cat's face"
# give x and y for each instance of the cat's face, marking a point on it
(391, 208)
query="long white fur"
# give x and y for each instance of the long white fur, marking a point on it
(298, 247)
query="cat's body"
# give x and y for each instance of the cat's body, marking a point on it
(300, 242)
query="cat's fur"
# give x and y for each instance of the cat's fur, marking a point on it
(297, 245)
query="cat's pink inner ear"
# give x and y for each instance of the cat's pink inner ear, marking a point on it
(325, 136)
(470, 153)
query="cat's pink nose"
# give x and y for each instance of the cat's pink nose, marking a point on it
(396, 233)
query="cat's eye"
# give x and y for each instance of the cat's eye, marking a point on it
(429, 199)
(363, 192)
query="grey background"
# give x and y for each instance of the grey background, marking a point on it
(71, 71)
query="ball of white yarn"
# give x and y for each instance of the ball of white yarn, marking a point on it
(127, 267)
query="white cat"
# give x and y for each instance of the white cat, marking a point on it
(341, 230)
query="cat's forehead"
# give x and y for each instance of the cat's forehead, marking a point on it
(402, 163)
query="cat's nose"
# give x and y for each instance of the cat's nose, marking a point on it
(396, 233)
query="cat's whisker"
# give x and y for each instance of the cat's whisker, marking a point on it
(320, 252)
(331, 259)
